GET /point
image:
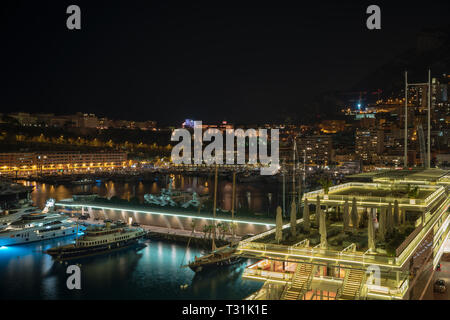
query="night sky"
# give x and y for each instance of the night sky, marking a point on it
(211, 61)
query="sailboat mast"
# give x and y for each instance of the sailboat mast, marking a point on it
(214, 211)
(293, 171)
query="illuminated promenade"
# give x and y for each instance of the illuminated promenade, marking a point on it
(368, 241)
(165, 217)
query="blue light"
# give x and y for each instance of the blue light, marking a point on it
(359, 105)
(3, 247)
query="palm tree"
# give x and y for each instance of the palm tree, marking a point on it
(205, 230)
(211, 229)
(223, 228)
(326, 183)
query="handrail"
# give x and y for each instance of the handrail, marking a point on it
(339, 292)
(308, 282)
(402, 201)
(316, 253)
(350, 247)
(286, 288)
(442, 208)
(268, 232)
(361, 287)
(355, 257)
(303, 243)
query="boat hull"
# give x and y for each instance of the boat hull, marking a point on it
(73, 252)
(204, 267)
(35, 237)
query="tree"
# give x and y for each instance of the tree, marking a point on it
(326, 183)
(223, 228)
(412, 192)
(205, 230)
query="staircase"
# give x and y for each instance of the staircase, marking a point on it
(301, 281)
(352, 285)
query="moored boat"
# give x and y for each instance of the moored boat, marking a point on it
(37, 226)
(9, 216)
(98, 240)
(218, 258)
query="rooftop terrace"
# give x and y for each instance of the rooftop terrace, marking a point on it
(411, 197)
(414, 217)
(416, 175)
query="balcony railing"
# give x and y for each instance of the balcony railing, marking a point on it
(311, 196)
(265, 249)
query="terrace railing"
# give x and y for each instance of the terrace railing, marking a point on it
(424, 230)
(374, 199)
(267, 233)
(298, 254)
(280, 276)
(257, 249)
(408, 240)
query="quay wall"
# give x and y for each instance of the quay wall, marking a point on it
(243, 228)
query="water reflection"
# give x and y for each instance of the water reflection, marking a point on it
(261, 198)
(152, 272)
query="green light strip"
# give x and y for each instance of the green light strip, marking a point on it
(164, 214)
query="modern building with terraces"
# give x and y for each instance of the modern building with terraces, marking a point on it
(370, 238)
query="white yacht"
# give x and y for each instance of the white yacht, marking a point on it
(15, 201)
(9, 216)
(38, 226)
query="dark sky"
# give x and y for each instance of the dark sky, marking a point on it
(212, 60)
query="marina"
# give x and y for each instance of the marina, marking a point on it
(163, 252)
(150, 273)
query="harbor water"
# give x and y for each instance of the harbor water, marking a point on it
(260, 198)
(151, 272)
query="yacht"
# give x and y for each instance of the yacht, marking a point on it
(38, 226)
(9, 216)
(97, 240)
(15, 201)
